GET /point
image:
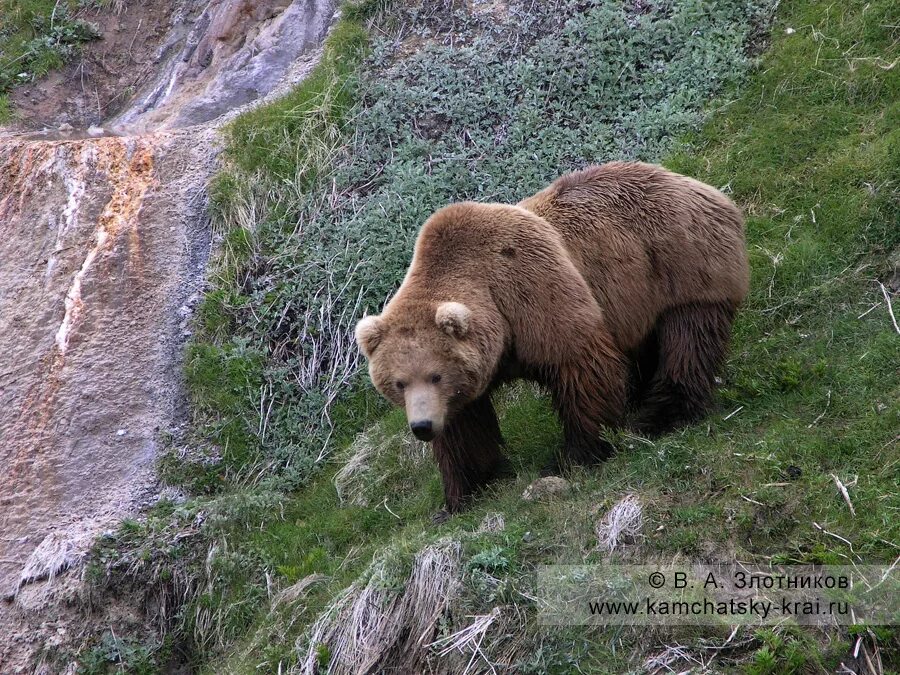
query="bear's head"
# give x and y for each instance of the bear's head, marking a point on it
(425, 362)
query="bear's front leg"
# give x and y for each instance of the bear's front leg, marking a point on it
(469, 452)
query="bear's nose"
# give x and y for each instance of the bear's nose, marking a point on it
(422, 430)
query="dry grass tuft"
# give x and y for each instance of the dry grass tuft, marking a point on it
(699, 657)
(53, 555)
(373, 625)
(298, 590)
(621, 524)
(351, 480)
(468, 639)
(359, 478)
(673, 659)
(492, 523)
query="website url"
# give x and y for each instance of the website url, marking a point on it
(760, 608)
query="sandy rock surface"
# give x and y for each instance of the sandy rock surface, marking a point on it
(105, 240)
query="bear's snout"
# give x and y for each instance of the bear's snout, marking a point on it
(425, 411)
(422, 429)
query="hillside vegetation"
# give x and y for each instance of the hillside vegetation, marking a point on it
(37, 36)
(301, 521)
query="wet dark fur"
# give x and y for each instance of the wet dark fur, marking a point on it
(672, 380)
(469, 453)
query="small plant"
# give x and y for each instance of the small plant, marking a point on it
(39, 37)
(117, 655)
(494, 560)
(6, 112)
(764, 662)
(489, 573)
(783, 653)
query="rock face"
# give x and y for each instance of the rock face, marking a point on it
(164, 64)
(104, 239)
(235, 52)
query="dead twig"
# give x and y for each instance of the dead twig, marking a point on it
(843, 490)
(385, 504)
(134, 37)
(733, 413)
(871, 309)
(887, 299)
(816, 421)
(836, 536)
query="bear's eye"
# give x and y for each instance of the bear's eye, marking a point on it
(435, 379)
(401, 385)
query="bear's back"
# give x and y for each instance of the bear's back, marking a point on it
(646, 239)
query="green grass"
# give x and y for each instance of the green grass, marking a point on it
(6, 112)
(37, 36)
(809, 146)
(477, 111)
(277, 152)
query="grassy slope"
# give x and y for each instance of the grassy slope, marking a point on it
(811, 150)
(37, 36)
(468, 106)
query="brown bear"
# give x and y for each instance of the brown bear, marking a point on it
(614, 288)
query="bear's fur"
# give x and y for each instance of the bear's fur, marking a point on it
(615, 287)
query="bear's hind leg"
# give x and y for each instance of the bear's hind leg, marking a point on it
(693, 340)
(469, 452)
(644, 361)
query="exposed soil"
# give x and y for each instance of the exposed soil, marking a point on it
(108, 73)
(104, 243)
(173, 64)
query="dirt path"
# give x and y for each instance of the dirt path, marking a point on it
(103, 246)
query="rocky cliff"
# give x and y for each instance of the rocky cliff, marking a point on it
(103, 243)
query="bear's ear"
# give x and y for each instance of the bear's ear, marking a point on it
(453, 319)
(369, 331)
